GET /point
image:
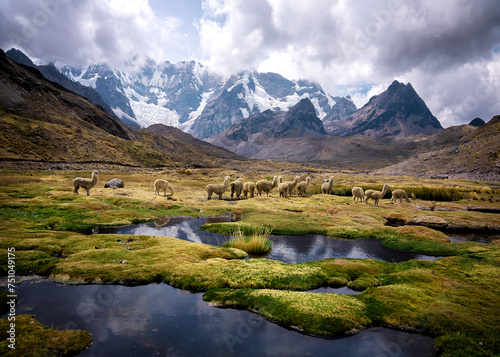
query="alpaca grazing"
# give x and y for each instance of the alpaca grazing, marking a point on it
(292, 184)
(161, 184)
(358, 194)
(375, 195)
(283, 188)
(400, 194)
(326, 188)
(302, 187)
(266, 186)
(85, 182)
(236, 188)
(217, 188)
(249, 189)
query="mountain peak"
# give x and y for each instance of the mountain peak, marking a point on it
(397, 113)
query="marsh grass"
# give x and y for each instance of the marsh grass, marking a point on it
(257, 242)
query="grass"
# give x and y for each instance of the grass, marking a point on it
(34, 339)
(454, 299)
(258, 242)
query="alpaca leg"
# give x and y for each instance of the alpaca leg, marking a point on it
(75, 189)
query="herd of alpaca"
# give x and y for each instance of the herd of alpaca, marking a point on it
(251, 189)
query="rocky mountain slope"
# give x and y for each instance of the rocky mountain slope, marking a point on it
(50, 72)
(396, 113)
(44, 122)
(474, 155)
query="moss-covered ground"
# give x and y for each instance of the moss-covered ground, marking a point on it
(453, 299)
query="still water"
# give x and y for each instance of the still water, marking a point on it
(288, 249)
(159, 320)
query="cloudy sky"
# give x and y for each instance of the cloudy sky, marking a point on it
(448, 50)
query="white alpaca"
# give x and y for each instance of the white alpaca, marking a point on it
(217, 188)
(236, 188)
(85, 182)
(266, 186)
(326, 188)
(302, 187)
(375, 195)
(161, 184)
(400, 194)
(249, 189)
(283, 188)
(358, 193)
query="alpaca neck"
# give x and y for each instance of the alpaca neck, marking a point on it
(384, 191)
(94, 179)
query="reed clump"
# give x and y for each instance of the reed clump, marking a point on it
(257, 242)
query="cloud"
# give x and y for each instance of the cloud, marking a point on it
(445, 49)
(449, 51)
(82, 32)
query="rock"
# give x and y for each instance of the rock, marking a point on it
(428, 221)
(114, 183)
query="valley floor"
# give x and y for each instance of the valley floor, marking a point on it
(453, 299)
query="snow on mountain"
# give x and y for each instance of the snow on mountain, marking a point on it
(185, 95)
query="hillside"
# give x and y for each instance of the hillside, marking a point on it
(43, 122)
(476, 156)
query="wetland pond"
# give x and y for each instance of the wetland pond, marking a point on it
(286, 248)
(159, 320)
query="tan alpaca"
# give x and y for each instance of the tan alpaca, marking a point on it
(266, 186)
(358, 194)
(399, 193)
(161, 184)
(283, 188)
(302, 187)
(236, 188)
(292, 184)
(85, 183)
(217, 188)
(249, 189)
(375, 195)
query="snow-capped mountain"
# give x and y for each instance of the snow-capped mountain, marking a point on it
(188, 96)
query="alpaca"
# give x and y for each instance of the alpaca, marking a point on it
(302, 187)
(85, 182)
(266, 186)
(326, 188)
(236, 188)
(292, 184)
(375, 195)
(358, 193)
(249, 189)
(218, 189)
(400, 194)
(283, 188)
(161, 184)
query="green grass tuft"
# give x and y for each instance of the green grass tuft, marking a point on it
(258, 242)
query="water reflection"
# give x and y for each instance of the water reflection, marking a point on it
(473, 237)
(288, 249)
(157, 319)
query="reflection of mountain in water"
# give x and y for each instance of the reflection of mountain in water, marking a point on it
(288, 249)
